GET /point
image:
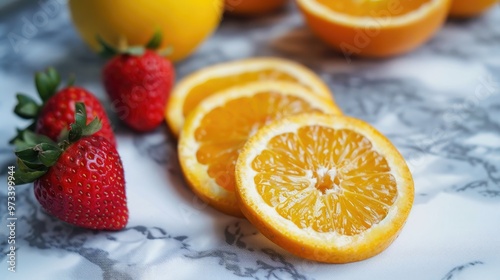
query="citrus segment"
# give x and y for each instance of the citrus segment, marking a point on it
(327, 188)
(190, 91)
(372, 7)
(217, 129)
(343, 159)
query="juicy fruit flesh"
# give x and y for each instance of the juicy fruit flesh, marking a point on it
(373, 8)
(326, 180)
(202, 91)
(223, 131)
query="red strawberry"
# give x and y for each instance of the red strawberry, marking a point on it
(79, 180)
(139, 82)
(58, 109)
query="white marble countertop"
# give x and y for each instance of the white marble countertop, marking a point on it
(440, 105)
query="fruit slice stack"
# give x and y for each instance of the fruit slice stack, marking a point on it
(218, 128)
(264, 139)
(190, 91)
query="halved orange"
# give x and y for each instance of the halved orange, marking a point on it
(219, 126)
(252, 7)
(326, 188)
(375, 28)
(191, 90)
(468, 8)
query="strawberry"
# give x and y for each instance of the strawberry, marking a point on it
(80, 180)
(57, 110)
(139, 81)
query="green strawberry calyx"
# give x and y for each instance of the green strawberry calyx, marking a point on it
(37, 153)
(47, 83)
(107, 50)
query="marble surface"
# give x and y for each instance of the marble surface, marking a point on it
(440, 105)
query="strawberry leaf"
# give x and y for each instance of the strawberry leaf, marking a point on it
(49, 158)
(19, 134)
(29, 167)
(94, 126)
(79, 128)
(76, 128)
(28, 155)
(75, 132)
(80, 114)
(155, 41)
(54, 77)
(42, 85)
(34, 150)
(48, 153)
(109, 51)
(16, 141)
(136, 51)
(28, 171)
(26, 107)
(31, 138)
(47, 83)
(63, 135)
(106, 49)
(23, 176)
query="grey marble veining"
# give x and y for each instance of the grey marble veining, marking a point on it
(440, 105)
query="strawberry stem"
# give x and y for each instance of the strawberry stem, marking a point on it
(155, 41)
(135, 51)
(107, 50)
(80, 128)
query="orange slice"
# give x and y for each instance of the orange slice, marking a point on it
(218, 128)
(376, 28)
(252, 7)
(326, 188)
(468, 8)
(190, 91)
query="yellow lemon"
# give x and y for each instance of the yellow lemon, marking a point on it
(184, 24)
